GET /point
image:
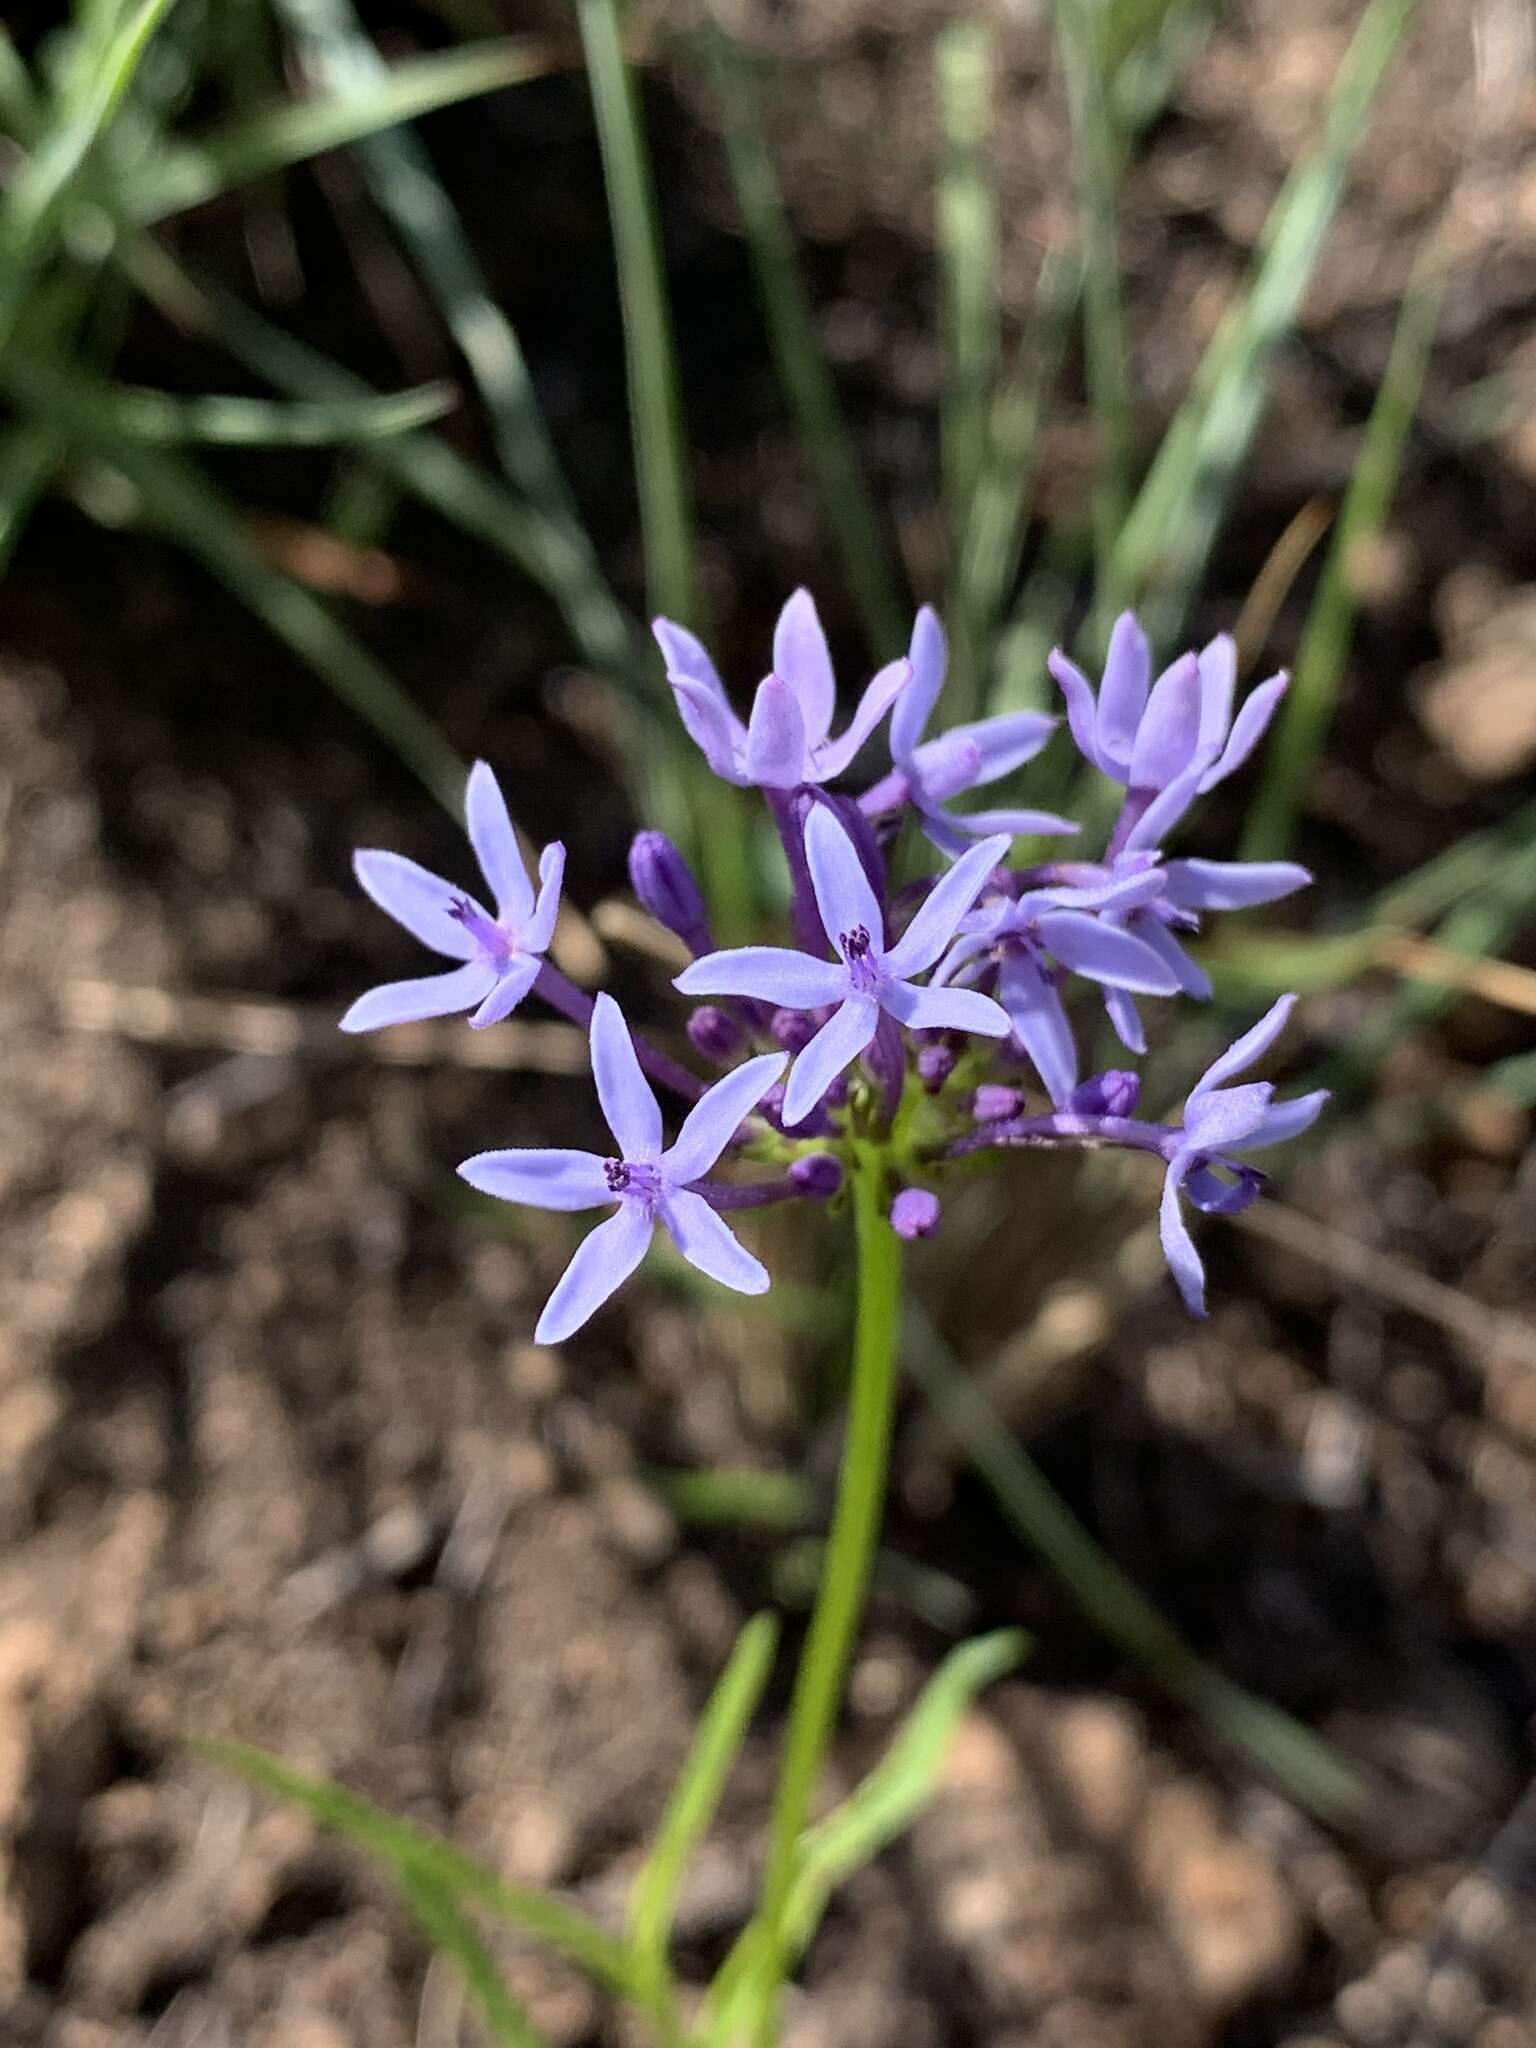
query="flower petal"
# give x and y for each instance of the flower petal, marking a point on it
(1006, 742)
(522, 972)
(832, 757)
(929, 657)
(1257, 709)
(429, 995)
(1039, 1020)
(1017, 824)
(945, 1009)
(714, 729)
(774, 974)
(1104, 953)
(1167, 735)
(945, 904)
(1082, 712)
(1232, 884)
(710, 1244)
(540, 1179)
(541, 926)
(801, 658)
(1165, 809)
(775, 757)
(716, 1117)
(1288, 1119)
(1122, 693)
(415, 897)
(1226, 1117)
(1251, 1046)
(946, 766)
(1192, 979)
(1178, 1245)
(1218, 676)
(836, 1045)
(604, 1260)
(1126, 1018)
(495, 844)
(843, 894)
(631, 1108)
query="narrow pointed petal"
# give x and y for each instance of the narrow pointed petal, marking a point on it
(1007, 742)
(1178, 1245)
(687, 657)
(430, 995)
(1257, 709)
(1288, 1120)
(945, 904)
(1123, 692)
(1165, 809)
(495, 844)
(776, 737)
(1119, 892)
(959, 957)
(509, 990)
(843, 895)
(540, 1179)
(1232, 884)
(1040, 1023)
(1017, 824)
(929, 657)
(706, 1241)
(836, 756)
(1168, 733)
(714, 729)
(1218, 677)
(541, 926)
(1126, 1019)
(1227, 1117)
(604, 1260)
(801, 658)
(1105, 953)
(836, 1045)
(945, 1009)
(773, 974)
(1250, 1047)
(1082, 712)
(1192, 979)
(946, 766)
(415, 897)
(630, 1106)
(716, 1117)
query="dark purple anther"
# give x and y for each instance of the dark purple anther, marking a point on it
(713, 1033)
(1115, 1093)
(935, 1064)
(915, 1213)
(992, 1102)
(664, 883)
(818, 1175)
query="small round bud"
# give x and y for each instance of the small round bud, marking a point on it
(1115, 1093)
(915, 1213)
(712, 1032)
(818, 1174)
(664, 883)
(793, 1029)
(992, 1102)
(935, 1064)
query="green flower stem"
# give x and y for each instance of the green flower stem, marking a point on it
(850, 1548)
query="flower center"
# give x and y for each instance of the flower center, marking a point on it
(493, 942)
(857, 949)
(633, 1178)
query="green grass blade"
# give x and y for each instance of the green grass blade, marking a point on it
(967, 256)
(401, 1847)
(1168, 534)
(167, 419)
(278, 137)
(722, 1497)
(19, 106)
(716, 1744)
(1302, 727)
(798, 355)
(655, 404)
(30, 452)
(450, 1932)
(1309, 1771)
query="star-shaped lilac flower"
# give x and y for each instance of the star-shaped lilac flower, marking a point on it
(646, 1184)
(867, 982)
(1148, 739)
(787, 743)
(929, 772)
(501, 954)
(1218, 1122)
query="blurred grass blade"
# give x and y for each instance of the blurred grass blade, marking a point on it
(1308, 1770)
(716, 1744)
(161, 416)
(655, 404)
(720, 1497)
(405, 1849)
(450, 1932)
(1302, 727)
(281, 136)
(30, 452)
(967, 255)
(19, 107)
(799, 357)
(1169, 532)
(178, 499)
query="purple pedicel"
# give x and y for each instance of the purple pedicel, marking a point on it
(915, 1213)
(665, 886)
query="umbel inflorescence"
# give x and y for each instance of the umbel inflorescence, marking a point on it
(931, 1020)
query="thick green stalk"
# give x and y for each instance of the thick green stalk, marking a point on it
(845, 1570)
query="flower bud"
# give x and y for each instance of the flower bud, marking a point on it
(712, 1032)
(935, 1064)
(992, 1102)
(664, 883)
(915, 1213)
(818, 1174)
(793, 1029)
(1115, 1093)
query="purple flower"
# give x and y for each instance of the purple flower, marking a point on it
(665, 886)
(915, 1213)
(646, 1184)
(787, 743)
(929, 772)
(867, 982)
(1148, 739)
(501, 954)
(1218, 1122)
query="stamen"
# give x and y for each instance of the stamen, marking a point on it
(490, 938)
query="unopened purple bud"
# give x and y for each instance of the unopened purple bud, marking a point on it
(794, 1029)
(1115, 1093)
(935, 1064)
(915, 1213)
(713, 1033)
(992, 1102)
(818, 1174)
(664, 883)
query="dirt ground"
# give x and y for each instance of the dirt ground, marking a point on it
(276, 1457)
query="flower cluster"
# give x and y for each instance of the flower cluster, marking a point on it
(933, 1019)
